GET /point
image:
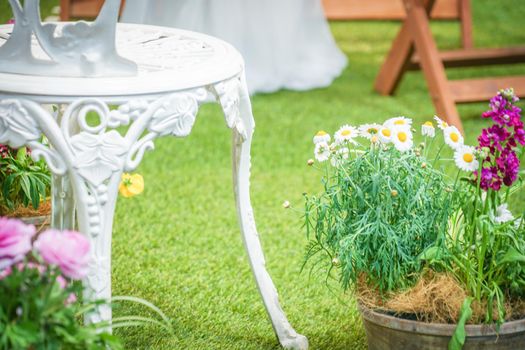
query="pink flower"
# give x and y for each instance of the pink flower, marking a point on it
(68, 250)
(11, 21)
(15, 241)
(6, 272)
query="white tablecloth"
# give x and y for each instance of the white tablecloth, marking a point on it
(285, 43)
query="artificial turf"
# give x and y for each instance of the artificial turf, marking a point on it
(178, 244)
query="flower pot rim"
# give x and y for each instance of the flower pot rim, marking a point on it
(439, 329)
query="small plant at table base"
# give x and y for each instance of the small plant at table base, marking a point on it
(25, 183)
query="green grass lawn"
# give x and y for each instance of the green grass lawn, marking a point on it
(178, 245)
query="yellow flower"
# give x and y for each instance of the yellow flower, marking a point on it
(131, 185)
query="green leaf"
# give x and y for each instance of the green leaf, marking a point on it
(459, 336)
(35, 195)
(26, 186)
(512, 255)
(429, 254)
(21, 154)
(6, 189)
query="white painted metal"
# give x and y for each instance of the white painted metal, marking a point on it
(83, 49)
(177, 72)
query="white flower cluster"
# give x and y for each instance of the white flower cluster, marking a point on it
(396, 131)
(465, 156)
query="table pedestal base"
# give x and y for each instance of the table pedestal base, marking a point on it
(87, 163)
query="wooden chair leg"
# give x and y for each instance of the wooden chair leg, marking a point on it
(465, 13)
(398, 60)
(431, 64)
(396, 63)
(65, 10)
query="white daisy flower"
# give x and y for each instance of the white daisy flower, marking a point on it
(385, 134)
(322, 151)
(465, 158)
(398, 122)
(402, 139)
(322, 136)
(369, 130)
(428, 129)
(339, 156)
(453, 137)
(503, 214)
(440, 123)
(346, 134)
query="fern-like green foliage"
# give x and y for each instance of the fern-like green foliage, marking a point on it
(380, 209)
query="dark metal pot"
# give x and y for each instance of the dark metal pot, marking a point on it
(386, 332)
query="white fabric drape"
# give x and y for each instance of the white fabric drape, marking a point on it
(285, 43)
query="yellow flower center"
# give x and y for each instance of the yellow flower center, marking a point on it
(321, 133)
(346, 132)
(429, 124)
(468, 157)
(400, 122)
(402, 136)
(454, 137)
(386, 132)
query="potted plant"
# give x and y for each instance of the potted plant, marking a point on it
(39, 287)
(25, 187)
(422, 232)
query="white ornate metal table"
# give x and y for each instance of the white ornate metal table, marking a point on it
(177, 72)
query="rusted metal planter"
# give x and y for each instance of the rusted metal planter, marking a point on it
(386, 332)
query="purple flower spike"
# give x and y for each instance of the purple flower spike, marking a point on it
(501, 139)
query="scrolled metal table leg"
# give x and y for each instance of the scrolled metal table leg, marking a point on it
(242, 122)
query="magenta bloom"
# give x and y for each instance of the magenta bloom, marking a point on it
(4, 151)
(15, 241)
(11, 21)
(68, 250)
(501, 167)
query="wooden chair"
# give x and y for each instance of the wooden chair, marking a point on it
(394, 10)
(415, 48)
(81, 8)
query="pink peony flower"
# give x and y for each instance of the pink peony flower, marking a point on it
(68, 250)
(15, 241)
